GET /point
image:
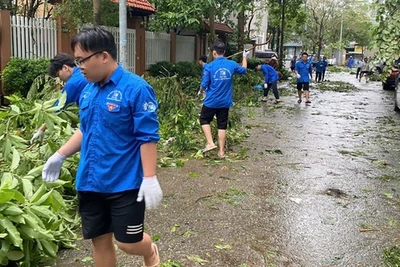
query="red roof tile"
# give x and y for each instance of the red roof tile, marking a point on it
(219, 27)
(139, 4)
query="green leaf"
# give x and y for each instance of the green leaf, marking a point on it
(15, 160)
(12, 230)
(7, 180)
(27, 187)
(13, 210)
(49, 248)
(15, 255)
(3, 235)
(42, 211)
(6, 195)
(39, 193)
(36, 172)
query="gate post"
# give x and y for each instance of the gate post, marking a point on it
(5, 45)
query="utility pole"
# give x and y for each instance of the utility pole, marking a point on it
(340, 41)
(122, 33)
(281, 59)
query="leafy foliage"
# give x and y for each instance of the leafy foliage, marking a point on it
(75, 12)
(36, 219)
(387, 32)
(19, 74)
(181, 69)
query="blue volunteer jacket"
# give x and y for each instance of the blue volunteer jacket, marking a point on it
(320, 66)
(304, 69)
(116, 119)
(74, 86)
(218, 80)
(270, 74)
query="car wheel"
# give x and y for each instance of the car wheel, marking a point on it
(386, 86)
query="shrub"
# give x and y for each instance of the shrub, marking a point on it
(19, 74)
(253, 62)
(181, 69)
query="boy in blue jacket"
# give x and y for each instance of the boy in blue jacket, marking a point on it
(270, 81)
(319, 69)
(303, 70)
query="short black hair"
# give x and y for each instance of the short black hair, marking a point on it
(304, 53)
(58, 62)
(203, 58)
(95, 39)
(219, 47)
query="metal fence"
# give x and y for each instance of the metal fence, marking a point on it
(185, 47)
(157, 47)
(33, 37)
(130, 46)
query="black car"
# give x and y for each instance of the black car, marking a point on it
(267, 55)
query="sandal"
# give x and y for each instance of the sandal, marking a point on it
(277, 101)
(299, 101)
(221, 157)
(209, 148)
(308, 102)
(158, 257)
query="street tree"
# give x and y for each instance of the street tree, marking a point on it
(75, 12)
(387, 31)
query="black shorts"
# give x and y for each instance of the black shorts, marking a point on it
(207, 115)
(117, 213)
(304, 86)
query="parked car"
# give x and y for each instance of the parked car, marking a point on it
(267, 55)
(393, 79)
(397, 98)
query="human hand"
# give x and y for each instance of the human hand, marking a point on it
(150, 191)
(245, 53)
(52, 168)
(38, 134)
(265, 85)
(298, 76)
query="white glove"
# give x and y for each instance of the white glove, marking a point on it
(298, 76)
(52, 168)
(265, 85)
(150, 191)
(38, 134)
(245, 53)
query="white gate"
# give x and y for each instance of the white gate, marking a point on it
(185, 46)
(157, 47)
(33, 37)
(130, 46)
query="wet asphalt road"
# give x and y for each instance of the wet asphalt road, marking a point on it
(274, 208)
(343, 141)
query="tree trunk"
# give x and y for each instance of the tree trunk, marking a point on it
(212, 33)
(278, 39)
(96, 12)
(240, 18)
(281, 59)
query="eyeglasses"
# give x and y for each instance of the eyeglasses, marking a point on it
(79, 62)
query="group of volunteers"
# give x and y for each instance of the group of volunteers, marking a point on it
(118, 134)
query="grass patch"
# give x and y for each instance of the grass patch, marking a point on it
(232, 196)
(336, 86)
(391, 256)
(356, 153)
(336, 69)
(388, 178)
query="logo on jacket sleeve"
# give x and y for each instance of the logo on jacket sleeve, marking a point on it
(149, 106)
